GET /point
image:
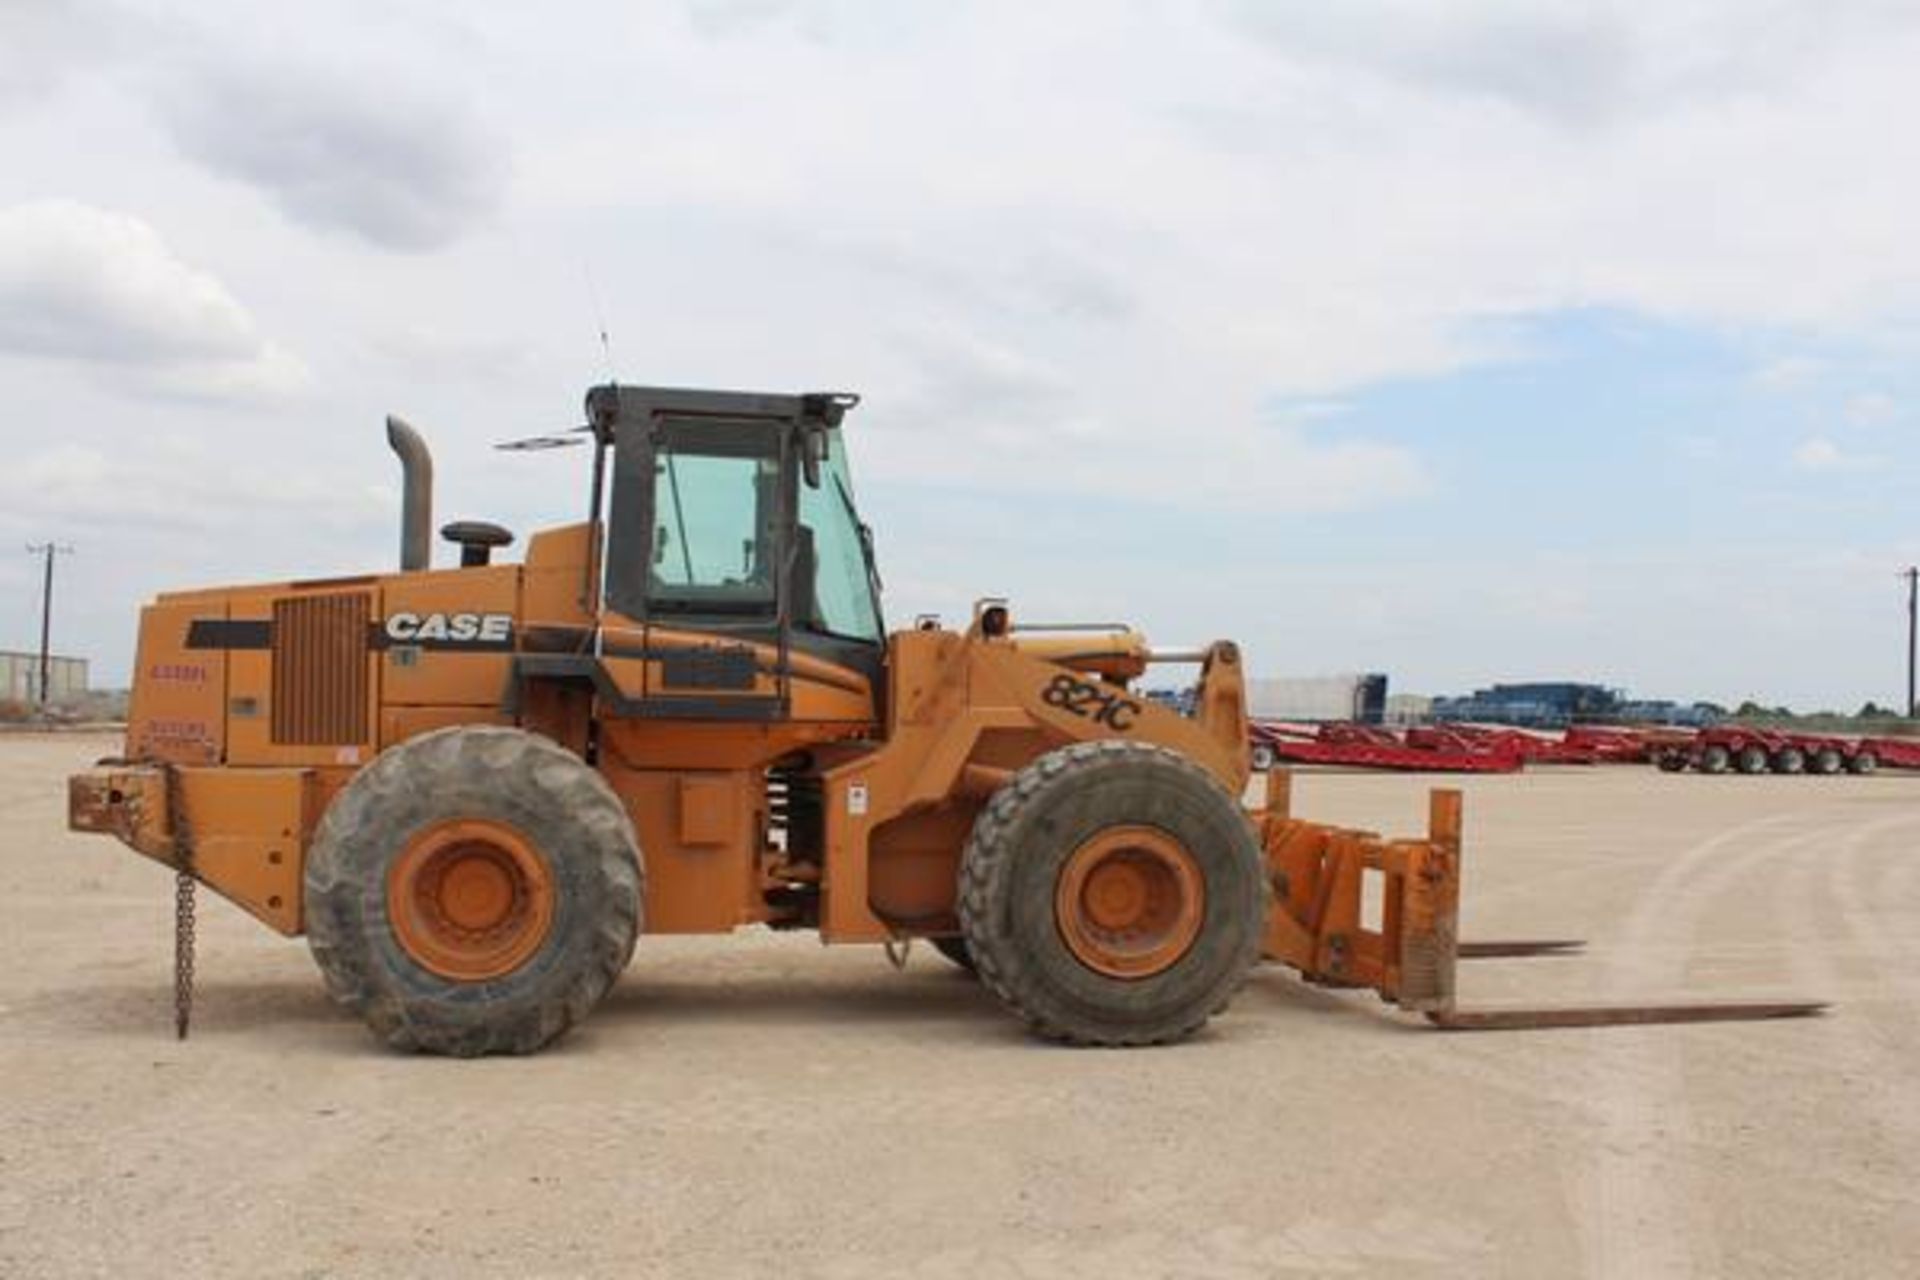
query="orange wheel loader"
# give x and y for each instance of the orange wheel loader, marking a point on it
(474, 788)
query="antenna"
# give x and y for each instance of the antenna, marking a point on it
(557, 440)
(599, 317)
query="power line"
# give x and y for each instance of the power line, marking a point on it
(47, 551)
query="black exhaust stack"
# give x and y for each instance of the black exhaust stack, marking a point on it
(416, 501)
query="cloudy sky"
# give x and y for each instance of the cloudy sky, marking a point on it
(1493, 340)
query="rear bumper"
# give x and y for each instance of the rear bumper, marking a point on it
(128, 802)
(246, 839)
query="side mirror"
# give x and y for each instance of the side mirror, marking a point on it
(813, 451)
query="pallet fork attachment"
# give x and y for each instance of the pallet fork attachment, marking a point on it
(1513, 949)
(1408, 955)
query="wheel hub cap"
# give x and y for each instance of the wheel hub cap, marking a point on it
(1129, 902)
(470, 900)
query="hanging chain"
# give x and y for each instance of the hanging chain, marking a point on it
(182, 953)
(183, 895)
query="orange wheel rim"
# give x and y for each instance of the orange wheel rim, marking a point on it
(1129, 902)
(470, 900)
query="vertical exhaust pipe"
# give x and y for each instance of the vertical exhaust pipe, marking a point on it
(416, 500)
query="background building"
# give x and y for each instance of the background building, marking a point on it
(20, 677)
(1409, 708)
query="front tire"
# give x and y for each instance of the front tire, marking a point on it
(1112, 893)
(474, 890)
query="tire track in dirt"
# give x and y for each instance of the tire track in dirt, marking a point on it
(1633, 1209)
(1867, 1078)
(1894, 954)
(1900, 882)
(1881, 1047)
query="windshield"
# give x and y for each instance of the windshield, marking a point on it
(844, 601)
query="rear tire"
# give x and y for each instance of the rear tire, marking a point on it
(1752, 759)
(1112, 893)
(474, 890)
(1863, 762)
(955, 949)
(1828, 761)
(1263, 758)
(1790, 760)
(1714, 759)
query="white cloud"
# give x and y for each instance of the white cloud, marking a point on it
(371, 156)
(176, 486)
(1871, 408)
(431, 353)
(1323, 227)
(1027, 427)
(1569, 62)
(102, 288)
(1818, 453)
(1788, 373)
(41, 41)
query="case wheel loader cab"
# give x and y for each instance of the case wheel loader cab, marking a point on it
(732, 517)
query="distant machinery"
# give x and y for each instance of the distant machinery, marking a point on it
(1696, 715)
(1558, 703)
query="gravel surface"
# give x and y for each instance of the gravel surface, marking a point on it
(761, 1106)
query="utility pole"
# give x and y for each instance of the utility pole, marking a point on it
(1912, 574)
(47, 551)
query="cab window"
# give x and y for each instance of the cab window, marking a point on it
(714, 510)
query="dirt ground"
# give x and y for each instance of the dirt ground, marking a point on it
(761, 1106)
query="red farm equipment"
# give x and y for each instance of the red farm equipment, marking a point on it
(1529, 747)
(1744, 749)
(1481, 748)
(1611, 745)
(1360, 746)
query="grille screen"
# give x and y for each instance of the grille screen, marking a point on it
(320, 670)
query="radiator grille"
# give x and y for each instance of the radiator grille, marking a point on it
(320, 670)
